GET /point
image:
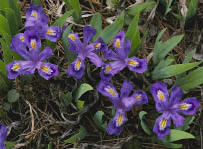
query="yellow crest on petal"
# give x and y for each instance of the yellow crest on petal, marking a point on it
(107, 69)
(138, 97)
(34, 14)
(46, 69)
(162, 124)
(50, 32)
(185, 106)
(72, 36)
(15, 67)
(33, 44)
(119, 120)
(97, 46)
(117, 43)
(22, 38)
(110, 91)
(133, 62)
(160, 95)
(78, 64)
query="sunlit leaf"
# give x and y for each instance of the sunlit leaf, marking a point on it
(82, 90)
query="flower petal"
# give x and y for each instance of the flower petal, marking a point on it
(107, 89)
(116, 67)
(178, 120)
(16, 68)
(162, 126)
(52, 33)
(88, 34)
(95, 59)
(136, 64)
(3, 135)
(126, 88)
(75, 44)
(104, 74)
(45, 54)
(99, 45)
(47, 70)
(188, 106)
(176, 94)
(77, 68)
(111, 55)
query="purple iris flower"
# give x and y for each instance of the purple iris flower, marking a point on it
(84, 50)
(37, 20)
(171, 107)
(30, 40)
(3, 134)
(120, 58)
(122, 103)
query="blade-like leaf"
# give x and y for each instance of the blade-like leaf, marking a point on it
(173, 70)
(143, 124)
(60, 21)
(4, 4)
(96, 22)
(192, 8)
(110, 31)
(82, 89)
(38, 2)
(4, 24)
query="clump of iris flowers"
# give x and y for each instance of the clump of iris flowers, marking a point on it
(122, 103)
(120, 58)
(171, 107)
(28, 46)
(3, 134)
(83, 50)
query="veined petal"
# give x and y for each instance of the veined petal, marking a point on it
(119, 40)
(3, 135)
(178, 120)
(45, 54)
(160, 93)
(126, 88)
(75, 44)
(16, 68)
(99, 45)
(116, 67)
(162, 126)
(18, 45)
(77, 68)
(52, 33)
(188, 106)
(111, 55)
(95, 59)
(108, 90)
(136, 64)
(176, 94)
(32, 39)
(88, 34)
(47, 70)
(104, 73)
(112, 129)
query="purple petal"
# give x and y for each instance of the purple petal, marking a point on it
(3, 135)
(159, 92)
(111, 55)
(99, 45)
(178, 120)
(162, 126)
(119, 40)
(2, 146)
(126, 88)
(47, 70)
(176, 94)
(88, 33)
(18, 45)
(32, 39)
(116, 67)
(139, 97)
(16, 68)
(117, 123)
(188, 106)
(45, 54)
(104, 74)
(136, 64)
(35, 16)
(75, 44)
(108, 90)
(52, 33)
(95, 59)
(77, 68)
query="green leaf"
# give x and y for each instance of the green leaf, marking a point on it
(75, 5)
(11, 17)
(81, 135)
(192, 80)
(96, 22)
(13, 95)
(143, 124)
(38, 2)
(110, 31)
(70, 55)
(138, 8)
(7, 53)
(133, 35)
(187, 122)
(168, 9)
(60, 21)
(10, 145)
(67, 98)
(98, 120)
(192, 9)
(172, 145)
(176, 135)
(13, 4)
(189, 56)
(4, 4)
(82, 90)
(173, 70)
(161, 49)
(4, 26)
(80, 104)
